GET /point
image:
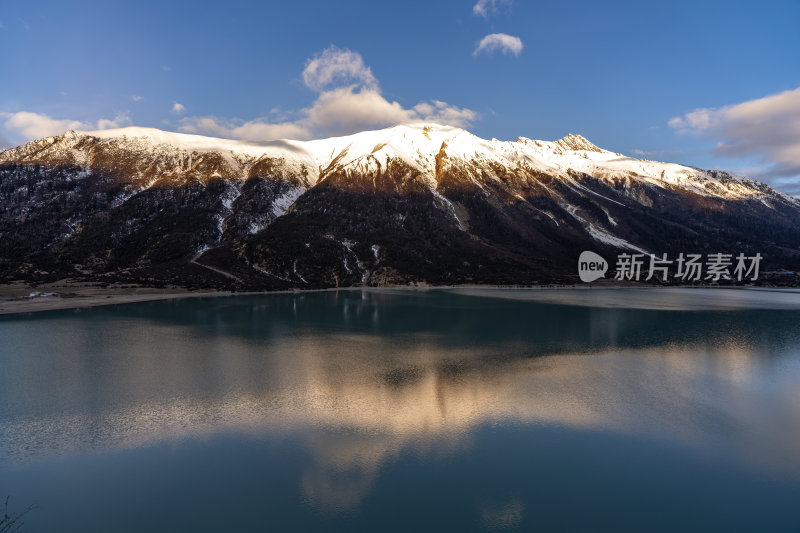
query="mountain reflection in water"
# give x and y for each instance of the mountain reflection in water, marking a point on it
(359, 378)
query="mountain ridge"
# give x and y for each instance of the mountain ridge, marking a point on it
(418, 203)
(316, 150)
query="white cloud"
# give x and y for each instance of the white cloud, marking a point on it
(137, 98)
(444, 113)
(337, 66)
(252, 130)
(36, 125)
(484, 8)
(767, 128)
(699, 119)
(508, 44)
(349, 101)
(119, 121)
(336, 112)
(347, 110)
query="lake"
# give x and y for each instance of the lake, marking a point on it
(408, 410)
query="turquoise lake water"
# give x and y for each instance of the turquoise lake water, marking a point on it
(429, 410)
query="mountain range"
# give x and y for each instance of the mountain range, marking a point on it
(412, 204)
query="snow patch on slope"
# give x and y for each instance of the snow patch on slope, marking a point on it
(600, 234)
(283, 202)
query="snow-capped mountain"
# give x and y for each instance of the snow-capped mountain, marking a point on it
(412, 203)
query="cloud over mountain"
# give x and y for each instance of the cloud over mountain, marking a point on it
(36, 125)
(348, 100)
(767, 128)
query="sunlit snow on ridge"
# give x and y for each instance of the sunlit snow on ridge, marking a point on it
(419, 144)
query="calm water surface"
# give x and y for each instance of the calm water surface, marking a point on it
(462, 410)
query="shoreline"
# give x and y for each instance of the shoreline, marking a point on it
(14, 299)
(23, 306)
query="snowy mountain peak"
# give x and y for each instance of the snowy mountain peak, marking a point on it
(185, 141)
(427, 147)
(577, 142)
(414, 202)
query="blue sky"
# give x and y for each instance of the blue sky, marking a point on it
(678, 81)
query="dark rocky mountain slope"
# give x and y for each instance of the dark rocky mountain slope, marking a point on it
(410, 204)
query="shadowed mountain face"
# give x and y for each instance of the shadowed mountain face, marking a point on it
(410, 204)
